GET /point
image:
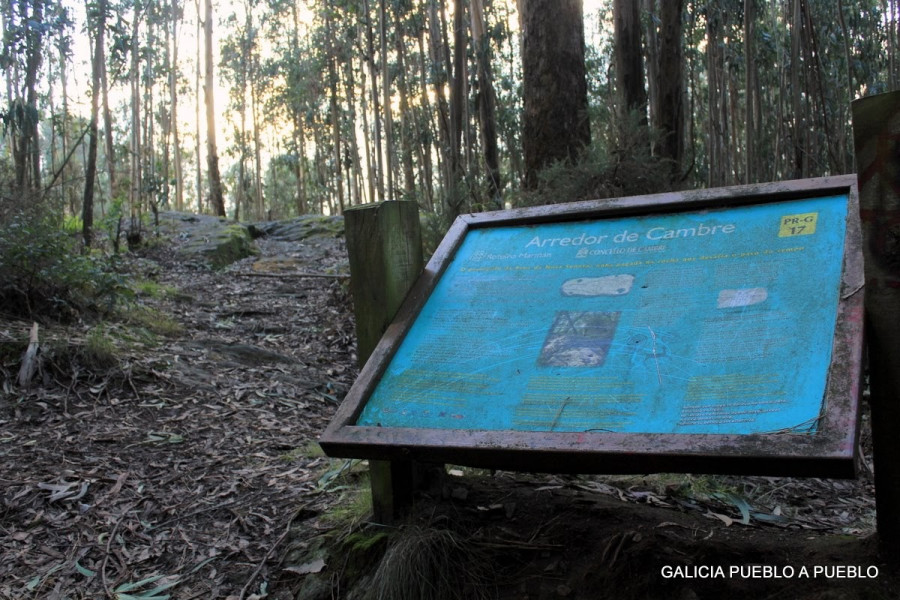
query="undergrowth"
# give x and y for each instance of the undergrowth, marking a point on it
(44, 275)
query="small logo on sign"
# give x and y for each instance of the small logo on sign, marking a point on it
(792, 225)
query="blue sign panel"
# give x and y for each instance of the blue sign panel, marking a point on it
(716, 321)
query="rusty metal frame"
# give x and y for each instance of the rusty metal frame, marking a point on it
(830, 452)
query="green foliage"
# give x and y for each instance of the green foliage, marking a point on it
(151, 289)
(43, 275)
(111, 222)
(434, 226)
(72, 224)
(626, 171)
(148, 319)
(98, 349)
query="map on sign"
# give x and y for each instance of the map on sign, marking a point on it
(718, 321)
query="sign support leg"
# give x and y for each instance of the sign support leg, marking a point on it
(384, 243)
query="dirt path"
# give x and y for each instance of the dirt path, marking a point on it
(190, 457)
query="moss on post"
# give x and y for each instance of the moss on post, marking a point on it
(384, 243)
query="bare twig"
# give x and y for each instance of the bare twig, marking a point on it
(277, 543)
(300, 275)
(109, 542)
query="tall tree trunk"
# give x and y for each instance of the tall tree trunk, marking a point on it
(97, 61)
(173, 101)
(750, 90)
(798, 133)
(376, 104)
(260, 204)
(849, 158)
(356, 167)
(108, 135)
(486, 102)
(297, 132)
(556, 125)
(386, 103)
(135, 199)
(371, 173)
(406, 158)
(629, 63)
(64, 137)
(424, 147)
(216, 198)
(198, 163)
(32, 66)
(670, 89)
(334, 113)
(165, 118)
(26, 148)
(716, 154)
(652, 54)
(437, 51)
(455, 198)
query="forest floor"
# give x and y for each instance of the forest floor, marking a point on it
(173, 454)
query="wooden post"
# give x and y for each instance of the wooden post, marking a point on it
(384, 243)
(876, 129)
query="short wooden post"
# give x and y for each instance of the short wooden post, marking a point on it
(876, 129)
(384, 243)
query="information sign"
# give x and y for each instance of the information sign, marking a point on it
(688, 320)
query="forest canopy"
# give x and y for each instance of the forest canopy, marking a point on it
(264, 110)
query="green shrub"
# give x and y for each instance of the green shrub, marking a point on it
(43, 275)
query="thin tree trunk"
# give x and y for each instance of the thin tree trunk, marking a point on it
(409, 179)
(376, 105)
(455, 198)
(97, 61)
(715, 125)
(334, 112)
(108, 135)
(749, 91)
(386, 102)
(670, 86)
(356, 167)
(371, 174)
(217, 201)
(851, 167)
(173, 101)
(486, 102)
(797, 135)
(136, 151)
(653, 55)
(437, 52)
(297, 133)
(629, 63)
(424, 145)
(260, 206)
(64, 137)
(197, 144)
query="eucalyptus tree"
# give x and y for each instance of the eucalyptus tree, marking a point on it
(216, 197)
(97, 15)
(25, 30)
(556, 125)
(236, 69)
